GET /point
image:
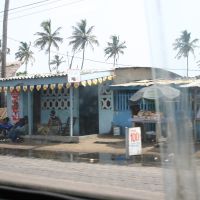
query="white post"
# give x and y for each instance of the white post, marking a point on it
(30, 113)
(127, 142)
(71, 111)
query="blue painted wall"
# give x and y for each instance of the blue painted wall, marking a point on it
(122, 119)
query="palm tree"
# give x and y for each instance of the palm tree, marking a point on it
(25, 54)
(57, 61)
(184, 45)
(48, 38)
(81, 37)
(114, 49)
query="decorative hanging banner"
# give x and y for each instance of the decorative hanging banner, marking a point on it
(31, 88)
(38, 87)
(25, 88)
(60, 86)
(68, 85)
(84, 83)
(52, 86)
(104, 78)
(18, 88)
(100, 80)
(11, 88)
(95, 81)
(15, 105)
(89, 82)
(45, 87)
(110, 78)
(76, 85)
(5, 89)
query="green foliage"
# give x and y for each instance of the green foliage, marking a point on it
(25, 54)
(114, 48)
(185, 45)
(21, 73)
(47, 38)
(82, 37)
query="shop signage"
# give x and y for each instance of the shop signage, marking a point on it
(15, 105)
(74, 76)
(134, 141)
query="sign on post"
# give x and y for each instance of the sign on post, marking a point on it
(134, 143)
(74, 76)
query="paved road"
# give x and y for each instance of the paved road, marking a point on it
(102, 180)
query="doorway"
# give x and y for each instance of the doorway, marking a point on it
(88, 110)
(36, 109)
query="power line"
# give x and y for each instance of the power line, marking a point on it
(104, 62)
(25, 6)
(67, 4)
(48, 3)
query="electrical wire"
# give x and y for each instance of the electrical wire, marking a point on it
(48, 3)
(24, 6)
(37, 12)
(103, 62)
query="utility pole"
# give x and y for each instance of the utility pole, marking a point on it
(4, 39)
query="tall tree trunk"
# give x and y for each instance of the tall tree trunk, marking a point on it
(70, 66)
(187, 65)
(26, 68)
(49, 60)
(83, 58)
(114, 61)
(4, 42)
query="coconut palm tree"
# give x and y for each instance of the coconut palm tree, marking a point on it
(114, 49)
(48, 38)
(25, 54)
(81, 38)
(185, 45)
(57, 61)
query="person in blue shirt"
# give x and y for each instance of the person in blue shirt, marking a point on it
(20, 128)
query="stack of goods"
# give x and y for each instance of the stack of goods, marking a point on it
(148, 115)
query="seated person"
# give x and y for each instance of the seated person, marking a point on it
(5, 126)
(20, 128)
(54, 123)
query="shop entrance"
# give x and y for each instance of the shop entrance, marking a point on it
(36, 109)
(88, 110)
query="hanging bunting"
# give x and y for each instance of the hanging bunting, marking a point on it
(38, 87)
(60, 86)
(18, 88)
(11, 89)
(110, 78)
(68, 85)
(100, 80)
(104, 78)
(25, 88)
(5, 89)
(89, 82)
(76, 85)
(95, 81)
(45, 87)
(84, 83)
(52, 86)
(31, 88)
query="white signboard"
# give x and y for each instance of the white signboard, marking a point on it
(74, 76)
(134, 141)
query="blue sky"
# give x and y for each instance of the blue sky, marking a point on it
(149, 28)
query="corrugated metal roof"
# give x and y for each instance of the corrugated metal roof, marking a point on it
(48, 75)
(151, 82)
